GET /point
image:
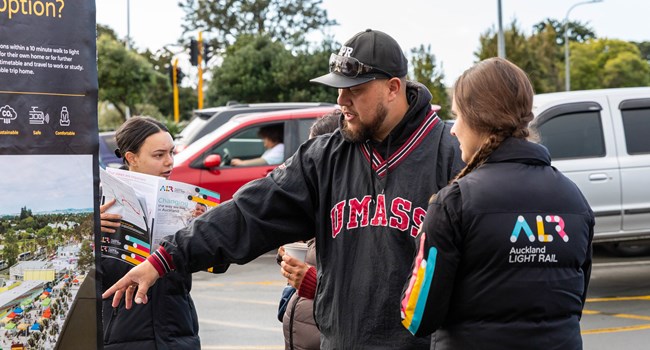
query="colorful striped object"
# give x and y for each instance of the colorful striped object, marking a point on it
(415, 298)
(199, 199)
(209, 195)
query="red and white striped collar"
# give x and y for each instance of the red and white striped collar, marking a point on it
(379, 165)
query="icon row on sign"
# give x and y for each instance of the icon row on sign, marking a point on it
(36, 116)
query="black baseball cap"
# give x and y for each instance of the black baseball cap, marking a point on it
(379, 54)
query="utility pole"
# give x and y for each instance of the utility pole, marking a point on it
(200, 65)
(567, 64)
(501, 41)
(175, 89)
(128, 44)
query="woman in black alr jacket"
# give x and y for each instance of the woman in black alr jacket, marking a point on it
(504, 254)
(169, 321)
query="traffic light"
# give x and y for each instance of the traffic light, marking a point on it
(179, 74)
(206, 52)
(194, 52)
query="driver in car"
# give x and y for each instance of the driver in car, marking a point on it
(272, 137)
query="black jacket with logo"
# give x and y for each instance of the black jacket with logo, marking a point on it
(504, 257)
(167, 321)
(364, 209)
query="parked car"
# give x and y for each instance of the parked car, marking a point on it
(600, 139)
(206, 162)
(107, 146)
(207, 120)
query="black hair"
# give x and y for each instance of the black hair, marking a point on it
(326, 124)
(131, 134)
(274, 132)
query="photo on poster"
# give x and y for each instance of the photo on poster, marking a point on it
(46, 244)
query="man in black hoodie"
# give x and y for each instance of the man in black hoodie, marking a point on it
(361, 191)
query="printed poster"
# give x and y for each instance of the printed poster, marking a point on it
(49, 183)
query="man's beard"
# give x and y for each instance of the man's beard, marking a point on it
(365, 132)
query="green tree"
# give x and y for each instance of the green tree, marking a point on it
(293, 74)
(259, 69)
(541, 54)
(28, 223)
(86, 256)
(10, 251)
(425, 71)
(85, 229)
(125, 77)
(246, 73)
(43, 235)
(578, 32)
(161, 93)
(287, 21)
(108, 31)
(644, 48)
(518, 50)
(607, 63)
(548, 74)
(25, 213)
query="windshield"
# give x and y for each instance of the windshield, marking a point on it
(199, 144)
(198, 121)
(192, 128)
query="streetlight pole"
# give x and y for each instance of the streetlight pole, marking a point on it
(501, 42)
(567, 64)
(128, 43)
(128, 24)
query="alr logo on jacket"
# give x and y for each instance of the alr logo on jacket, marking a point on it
(355, 213)
(522, 225)
(537, 253)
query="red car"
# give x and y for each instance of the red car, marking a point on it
(206, 162)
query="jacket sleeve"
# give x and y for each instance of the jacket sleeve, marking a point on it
(586, 266)
(450, 162)
(308, 286)
(262, 215)
(427, 293)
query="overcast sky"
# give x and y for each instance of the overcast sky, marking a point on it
(451, 27)
(45, 182)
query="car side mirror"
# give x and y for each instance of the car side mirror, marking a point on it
(212, 161)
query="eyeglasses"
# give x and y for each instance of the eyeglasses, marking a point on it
(351, 67)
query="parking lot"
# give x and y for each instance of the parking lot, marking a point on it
(618, 305)
(237, 310)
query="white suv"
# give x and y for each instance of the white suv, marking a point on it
(600, 139)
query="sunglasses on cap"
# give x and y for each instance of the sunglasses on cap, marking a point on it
(351, 67)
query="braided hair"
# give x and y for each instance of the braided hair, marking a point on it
(494, 98)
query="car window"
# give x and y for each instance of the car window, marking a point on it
(245, 144)
(110, 141)
(193, 127)
(636, 123)
(575, 135)
(303, 129)
(107, 146)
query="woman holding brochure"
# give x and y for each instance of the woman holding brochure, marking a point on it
(170, 319)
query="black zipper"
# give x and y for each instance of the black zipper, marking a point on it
(110, 326)
(318, 287)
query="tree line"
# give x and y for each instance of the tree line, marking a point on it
(27, 232)
(261, 55)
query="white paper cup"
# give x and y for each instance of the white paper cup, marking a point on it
(296, 250)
